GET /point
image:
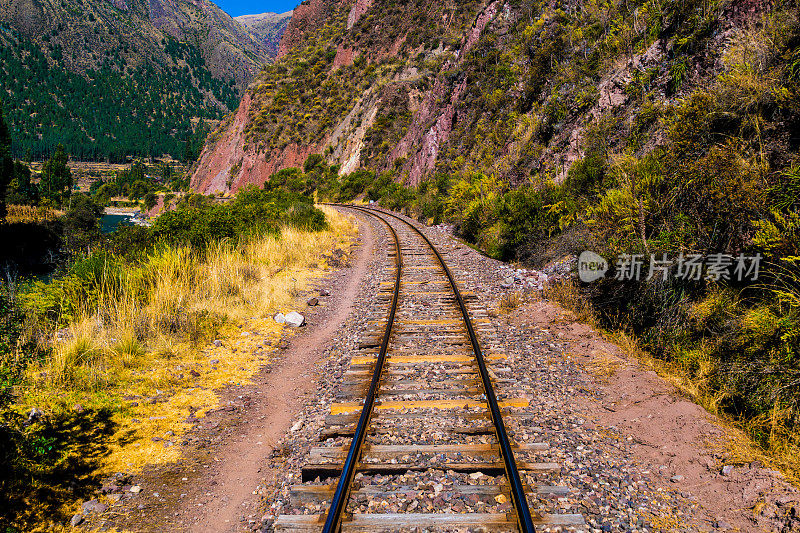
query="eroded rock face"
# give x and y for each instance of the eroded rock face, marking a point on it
(360, 7)
(344, 56)
(230, 163)
(226, 166)
(444, 114)
(213, 168)
(433, 122)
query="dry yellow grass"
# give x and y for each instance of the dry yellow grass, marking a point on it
(568, 294)
(604, 366)
(509, 301)
(148, 337)
(31, 214)
(781, 452)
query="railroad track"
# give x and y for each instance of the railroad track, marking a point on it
(417, 440)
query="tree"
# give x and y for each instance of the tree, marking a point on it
(150, 201)
(166, 172)
(103, 194)
(6, 162)
(137, 172)
(138, 190)
(20, 191)
(56, 183)
(82, 223)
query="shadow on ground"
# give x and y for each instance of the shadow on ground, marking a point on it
(47, 464)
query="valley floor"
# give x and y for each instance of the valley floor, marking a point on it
(637, 455)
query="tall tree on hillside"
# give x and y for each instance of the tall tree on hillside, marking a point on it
(6, 162)
(166, 173)
(82, 223)
(56, 181)
(20, 190)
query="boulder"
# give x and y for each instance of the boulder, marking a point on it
(34, 415)
(295, 319)
(279, 318)
(94, 506)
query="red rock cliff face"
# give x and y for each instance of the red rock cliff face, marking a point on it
(213, 168)
(433, 122)
(311, 15)
(360, 7)
(227, 165)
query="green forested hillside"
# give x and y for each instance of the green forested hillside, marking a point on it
(104, 114)
(110, 80)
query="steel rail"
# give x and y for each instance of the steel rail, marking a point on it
(524, 520)
(340, 496)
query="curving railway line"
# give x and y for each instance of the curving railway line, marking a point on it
(419, 441)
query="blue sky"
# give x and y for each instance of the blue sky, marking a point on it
(235, 8)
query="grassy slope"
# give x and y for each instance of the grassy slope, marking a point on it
(266, 28)
(139, 361)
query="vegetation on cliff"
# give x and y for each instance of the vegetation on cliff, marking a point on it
(266, 28)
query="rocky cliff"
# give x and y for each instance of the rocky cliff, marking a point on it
(519, 90)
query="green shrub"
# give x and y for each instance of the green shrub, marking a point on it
(306, 216)
(353, 184)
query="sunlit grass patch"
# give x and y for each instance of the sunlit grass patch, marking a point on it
(604, 366)
(567, 293)
(31, 214)
(509, 301)
(128, 351)
(139, 340)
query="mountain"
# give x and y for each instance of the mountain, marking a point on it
(514, 89)
(339, 66)
(123, 77)
(266, 28)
